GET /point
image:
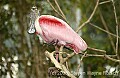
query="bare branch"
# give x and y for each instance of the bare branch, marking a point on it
(89, 19)
(69, 56)
(60, 9)
(97, 50)
(94, 55)
(83, 56)
(104, 2)
(106, 27)
(109, 57)
(54, 8)
(103, 30)
(66, 63)
(112, 59)
(50, 55)
(81, 61)
(116, 28)
(58, 65)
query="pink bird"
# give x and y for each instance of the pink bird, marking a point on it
(54, 30)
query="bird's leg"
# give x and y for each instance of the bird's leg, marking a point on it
(57, 50)
(57, 53)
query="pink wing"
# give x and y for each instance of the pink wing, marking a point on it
(54, 28)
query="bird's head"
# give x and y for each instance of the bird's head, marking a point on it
(33, 16)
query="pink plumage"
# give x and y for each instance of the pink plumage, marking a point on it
(53, 29)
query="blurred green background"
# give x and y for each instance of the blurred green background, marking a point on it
(21, 54)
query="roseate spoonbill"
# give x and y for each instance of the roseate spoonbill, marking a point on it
(54, 30)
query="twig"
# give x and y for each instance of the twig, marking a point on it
(81, 61)
(104, 56)
(69, 56)
(112, 59)
(97, 50)
(116, 28)
(94, 55)
(50, 55)
(104, 2)
(103, 30)
(60, 9)
(66, 63)
(55, 9)
(106, 27)
(89, 19)
(61, 58)
(83, 56)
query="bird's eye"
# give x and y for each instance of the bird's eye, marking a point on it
(34, 8)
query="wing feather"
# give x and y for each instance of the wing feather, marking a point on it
(55, 28)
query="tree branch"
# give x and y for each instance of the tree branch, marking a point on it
(94, 55)
(81, 61)
(97, 50)
(109, 57)
(60, 9)
(58, 65)
(103, 30)
(104, 2)
(106, 27)
(55, 9)
(89, 19)
(116, 28)
(112, 59)
(53, 60)
(69, 56)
